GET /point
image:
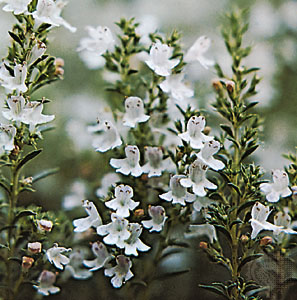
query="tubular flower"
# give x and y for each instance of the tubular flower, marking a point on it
(134, 112)
(16, 82)
(102, 257)
(55, 257)
(121, 272)
(157, 213)
(159, 59)
(46, 282)
(16, 109)
(196, 178)
(37, 51)
(206, 155)
(93, 220)
(130, 164)
(284, 220)
(116, 232)
(279, 187)
(194, 134)
(16, 6)
(7, 134)
(196, 52)
(133, 243)
(178, 193)
(108, 139)
(123, 202)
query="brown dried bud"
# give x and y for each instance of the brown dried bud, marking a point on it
(59, 62)
(216, 84)
(59, 71)
(16, 150)
(244, 238)
(139, 212)
(230, 85)
(266, 240)
(144, 177)
(203, 245)
(207, 130)
(294, 192)
(35, 247)
(27, 262)
(28, 180)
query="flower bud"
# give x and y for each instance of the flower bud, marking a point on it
(217, 85)
(294, 193)
(230, 85)
(139, 213)
(244, 238)
(266, 240)
(203, 245)
(44, 225)
(35, 247)
(27, 262)
(59, 62)
(207, 130)
(28, 180)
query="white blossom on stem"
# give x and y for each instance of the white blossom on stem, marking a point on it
(197, 179)
(46, 282)
(155, 163)
(157, 213)
(259, 221)
(197, 51)
(134, 112)
(17, 81)
(7, 134)
(102, 257)
(37, 51)
(49, 12)
(55, 257)
(279, 187)
(176, 88)
(108, 139)
(133, 243)
(206, 155)
(130, 164)
(177, 194)
(121, 272)
(16, 6)
(16, 109)
(107, 181)
(284, 220)
(193, 134)
(115, 232)
(159, 59)
(93, 220)
(123, 202)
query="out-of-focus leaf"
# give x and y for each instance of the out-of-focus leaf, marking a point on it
(45, 174)
(24, 213)
(214, 289)
(27, 158)
(172, 274)
(248, 259)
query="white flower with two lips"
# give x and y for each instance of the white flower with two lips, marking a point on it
(16, 6)
(55, 256)
(158, 218)
(17, 81)
(46, 282)
(7, 134)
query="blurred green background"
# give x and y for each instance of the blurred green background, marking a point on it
(79, 98)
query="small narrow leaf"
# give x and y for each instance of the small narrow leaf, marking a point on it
(27, 158)
(249, 152)
(214, 289)
(45, 174)
(16, 38)
(249, 259)
(246, 205)
(24, 213)
(228, 130)
(235, 187)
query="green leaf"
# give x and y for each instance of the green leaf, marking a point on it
(7, 228)
(27, 158)
(45, 174)
(214, 289)
(237, 221)
(16, 38)
(235, 187)
(24, 213)
(249, 106)
(223, 230)
(172, 274)
(249, 259)
(245, 205)
(249, 152)
(5, 187)
(228, 130)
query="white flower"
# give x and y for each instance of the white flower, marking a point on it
(16, 109)
(122, 202)
(202, 203)
(174, 86)
(55, 257)
(130, 164)
(133, 243)
(194, 134)
(7, 134)
(16, 6)
(44, 225)
(107, 181)
(34, 247)
(108, 139)
(279, 187)
(77, 192)
(134, 112)
(258, 221)
(155, 165)
(206, 155)
(46, 282)
(75, 266)
(284, 220)
(202, 229)
(159, 59)
(37, 51)
(93, 220)
(33, 115)
(116, 231)
(178, 193)
(102, 257)
(157, 213)
(121, 272)
(49, 11)
(197, 51)
(17, 82)
(99, 41)
(91, 59)
(197, 180)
